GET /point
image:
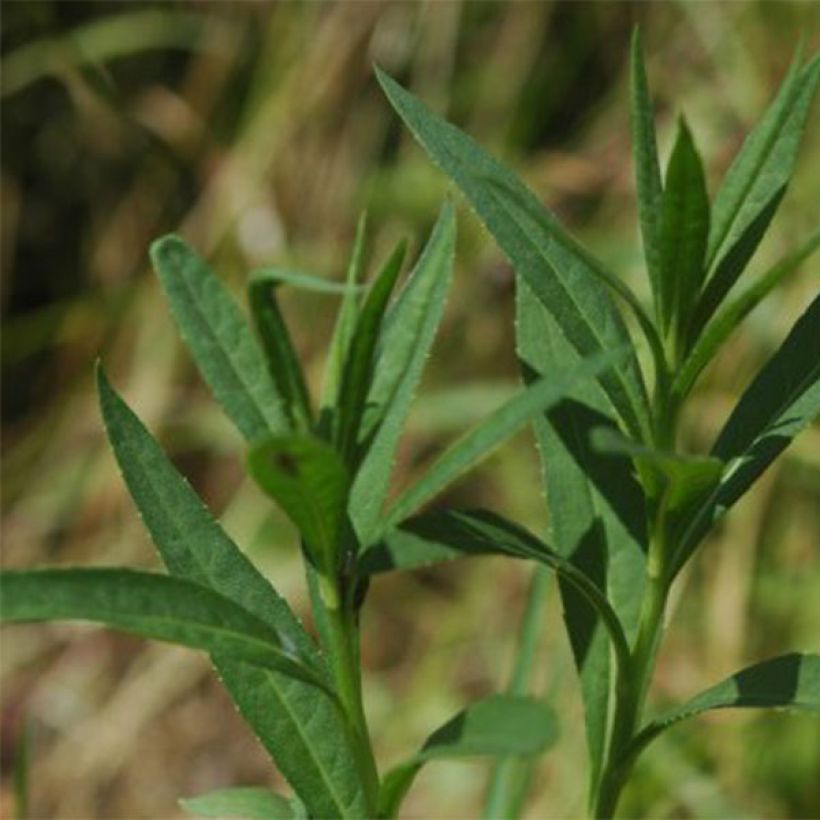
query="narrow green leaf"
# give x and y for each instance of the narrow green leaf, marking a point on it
(152, 606)
(552, 263)
(683, 232)
(298, 724)
(497, 726)
(345, 320)
(596, 510)
(247, 802)
(305, 281)
(512, 775)
(410, 327)
(283, 363)
(647, 168)
(732, 314)
(756, 180)
(782, 400)
(308, 480)
(220, 340)
(358, 369)
(789, 681)
(479, 442)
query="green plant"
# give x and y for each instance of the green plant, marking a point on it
(627, 507)
(329, 472)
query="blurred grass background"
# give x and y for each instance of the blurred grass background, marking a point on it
(258, 132)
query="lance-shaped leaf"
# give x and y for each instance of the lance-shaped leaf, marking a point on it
(222, 343)
(246, 802)
(358, 369)
(788, 682)
(345, 320)
(152, 606)
(483, 439)
(410, 327)
(596, 510)
(298, 724)
(754, 184)
(731, 315)
(308, 480)
(497, 726)
(683, 231)
(647, 169)
(283, 363)
(780, 402)
(562, 275)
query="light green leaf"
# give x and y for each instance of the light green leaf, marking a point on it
(283, 363)
(246, 802)
(479, 442)
(731, 315)
(683, 231)
(647, 168)
(780, 402)
(304, 281)
(410, 327)
(298, 724)
(358, 369)
(596, 510)
(345, 325)
(755, 182)
(152, 606)
(308, 480)
(497, 726)
(562, 275)
(220, 340)
(789, 681)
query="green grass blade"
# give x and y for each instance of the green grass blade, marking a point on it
(782, 400)
(220, 340)
(408, 334)
(512, 775)
(757, 178)
(247, 802)
(543, 254)
(346, 319)
(483, 439)
(731, 315)
(308, 480)
(497, 726)
(596, 511)
(683, 232)
(153, 606)
(283, 363)
(358, 369)
(298, 724)
(647, 169)
(787, 682)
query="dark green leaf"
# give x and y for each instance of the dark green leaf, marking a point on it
(345, 325)
(298, 724)
(732, 314)
(283, 363)
(220, 340)
(358, 369)
(410, 327)
(152, 606)
(790, 681)
(561, 274)
(683, 231)
(308, 480)
(596, 510)
(647, 169)
(498, 726)
(780, 402)
(479, 442)
(247, 802)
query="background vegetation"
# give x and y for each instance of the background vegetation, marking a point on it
(258, 131)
